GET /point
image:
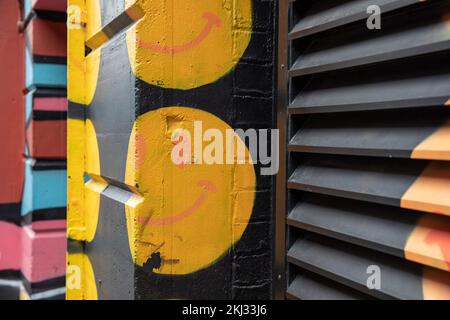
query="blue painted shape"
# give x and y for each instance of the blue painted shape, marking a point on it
(44, 74)
(29, 104)
(44, 189)
(27, 7)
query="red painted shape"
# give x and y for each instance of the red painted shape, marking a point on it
(48, 38)
(51, 5)
(50, 104)
(47, 139)
(212, 21)
(43, 254)
(441, 238)
(9, 246)
(11, 104)
(207, 186)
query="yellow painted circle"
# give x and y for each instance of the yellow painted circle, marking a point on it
(95, 186)
(80, 280)
(190, 214)
(185, 44)
(83, 71)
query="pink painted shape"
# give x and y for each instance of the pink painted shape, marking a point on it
(441, 238)
(50, 104)
(9, 246)
(208, 188)
(50, 225)
(53, 5)
(43, 254)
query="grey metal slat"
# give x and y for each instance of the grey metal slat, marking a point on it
(333, 13)
(383, 91)
(313, 287)
(381, 181)
(394, 43)
(348, 265)
(381, 135)
(382, 228)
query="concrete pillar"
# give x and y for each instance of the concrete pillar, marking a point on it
(12, 146)
(140, 225)
(43, 207)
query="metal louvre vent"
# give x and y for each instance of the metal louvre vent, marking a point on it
(368, 173)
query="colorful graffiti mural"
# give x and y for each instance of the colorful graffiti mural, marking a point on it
(43, 205)
(139, 226)
(12, 50)
(32, 219)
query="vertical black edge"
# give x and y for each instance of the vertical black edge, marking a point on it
(279, 274)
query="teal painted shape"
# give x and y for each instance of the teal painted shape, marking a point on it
(45, 74)
(29, 104)
(27, 7)
(44, 189)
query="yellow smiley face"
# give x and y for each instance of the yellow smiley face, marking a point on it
(185, 44)
(191, 214)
